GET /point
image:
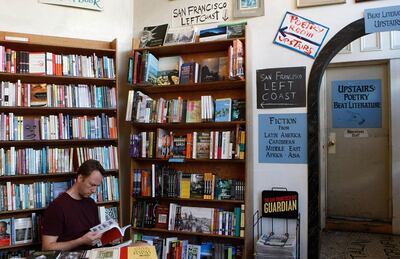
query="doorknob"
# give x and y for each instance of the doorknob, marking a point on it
(332, 143)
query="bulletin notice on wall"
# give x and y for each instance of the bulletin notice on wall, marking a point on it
(356, 104)
(282, 138)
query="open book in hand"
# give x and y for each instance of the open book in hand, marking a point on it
(111, 231)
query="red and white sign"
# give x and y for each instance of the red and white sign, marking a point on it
(301, 34)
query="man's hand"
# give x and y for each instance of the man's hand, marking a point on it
(90, 238)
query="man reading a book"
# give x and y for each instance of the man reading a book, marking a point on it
(68, 219)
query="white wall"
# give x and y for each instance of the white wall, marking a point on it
(262, 53)
(116, 21)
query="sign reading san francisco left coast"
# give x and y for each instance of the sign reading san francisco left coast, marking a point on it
(301, 34)
(280, 204)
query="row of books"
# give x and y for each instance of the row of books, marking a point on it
(173, 248)
(19, 253)
(21, 196)
(162, 181)
(142, 108)
(175, 217)
(55, 127)
(47, 63)
(108, 190)
(52, 95)
(21, 230)
(192, 145)
(46, 160)
(145, 68)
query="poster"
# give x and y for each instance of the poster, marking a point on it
(280, 204)
(356, 104)
(281, 87)
(282, 138)
(301, 34)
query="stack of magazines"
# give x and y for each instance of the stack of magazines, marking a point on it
(276, 246)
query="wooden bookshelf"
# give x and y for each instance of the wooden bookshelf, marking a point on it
(234, 169)
(59, 46)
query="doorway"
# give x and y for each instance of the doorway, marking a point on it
(358, 176)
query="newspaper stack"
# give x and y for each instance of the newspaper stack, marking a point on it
(276, 246)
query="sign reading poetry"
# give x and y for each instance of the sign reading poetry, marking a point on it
(356, 104)
(281, 87)
(282, 138)
(382, 19)
(280, 204)
(200, 12)
(85, 4)
(301, 34)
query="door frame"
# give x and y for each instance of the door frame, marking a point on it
(316, 163)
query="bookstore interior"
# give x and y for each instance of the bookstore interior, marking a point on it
(222, 129)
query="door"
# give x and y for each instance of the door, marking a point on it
(358, 172)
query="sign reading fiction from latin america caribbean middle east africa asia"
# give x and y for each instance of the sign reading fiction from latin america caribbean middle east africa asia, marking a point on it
(281, 87)
(301, 34)
(280, 204)
(282, 138)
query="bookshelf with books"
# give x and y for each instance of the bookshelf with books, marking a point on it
(187, 144)
(58, 107)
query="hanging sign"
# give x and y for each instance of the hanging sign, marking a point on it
(96, 5)
(196, 13)
(356, 104)
(280, 204)
(382, 19)
(301, 34)
(281, 87)
(282, 138)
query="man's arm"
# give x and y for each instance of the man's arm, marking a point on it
(50, 242)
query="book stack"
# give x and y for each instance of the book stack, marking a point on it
(276, 246)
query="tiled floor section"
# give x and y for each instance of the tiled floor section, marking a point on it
(349, 245)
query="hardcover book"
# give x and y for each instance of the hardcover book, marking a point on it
(238, 110)
(193, 251)
(31, 128)
(168, 70)
(38, 95)
(210, 34)
(196, 219)
(210, 70)
(193, 111)
(179, 147)
(5, 234)
(22, 231)
(180, 36)
(223, 109)
(161, 216)
(153, 36)
(203, 145)
(196, 186)
(37, 63)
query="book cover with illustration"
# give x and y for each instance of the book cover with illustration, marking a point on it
(196, 219)
(111, 231)
(21, 230)
(38, 95)
(153, 36)
(193, 251)
(5, 232)
(31, 128)
(181, 35)
(196, 186)
(223, 109)
(168, 70)
(210, 69)
(238, 110)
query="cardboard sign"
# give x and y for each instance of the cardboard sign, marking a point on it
(281, 87)
(96, 5)
(195, 13)
(282, 138)
(382, 19)
(301, 34)
(280, 204)
(356, 104)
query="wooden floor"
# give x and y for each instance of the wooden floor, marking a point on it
(349, 245)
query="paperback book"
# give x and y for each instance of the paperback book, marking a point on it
(111, 232)
(153, 36)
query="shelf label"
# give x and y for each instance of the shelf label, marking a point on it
(195, 13)
(84, 4)
(282, 138)
(281, 87)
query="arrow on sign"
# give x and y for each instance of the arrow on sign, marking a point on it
(283, 32)
(225, 17)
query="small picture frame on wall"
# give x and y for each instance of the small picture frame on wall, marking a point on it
(248, 8)
(308, 3)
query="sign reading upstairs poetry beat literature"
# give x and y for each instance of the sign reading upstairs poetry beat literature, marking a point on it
(301, 34)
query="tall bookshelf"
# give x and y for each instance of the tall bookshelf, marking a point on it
(90, 123)
(233, 168)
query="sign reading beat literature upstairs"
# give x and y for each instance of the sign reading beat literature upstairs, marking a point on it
(96, 5)
(301, 34)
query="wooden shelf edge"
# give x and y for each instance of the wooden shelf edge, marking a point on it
(47, 78)
(188, 200)
(192, 125)
(47, 175)
(160, 160)
(19, 246)
(185, 233)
